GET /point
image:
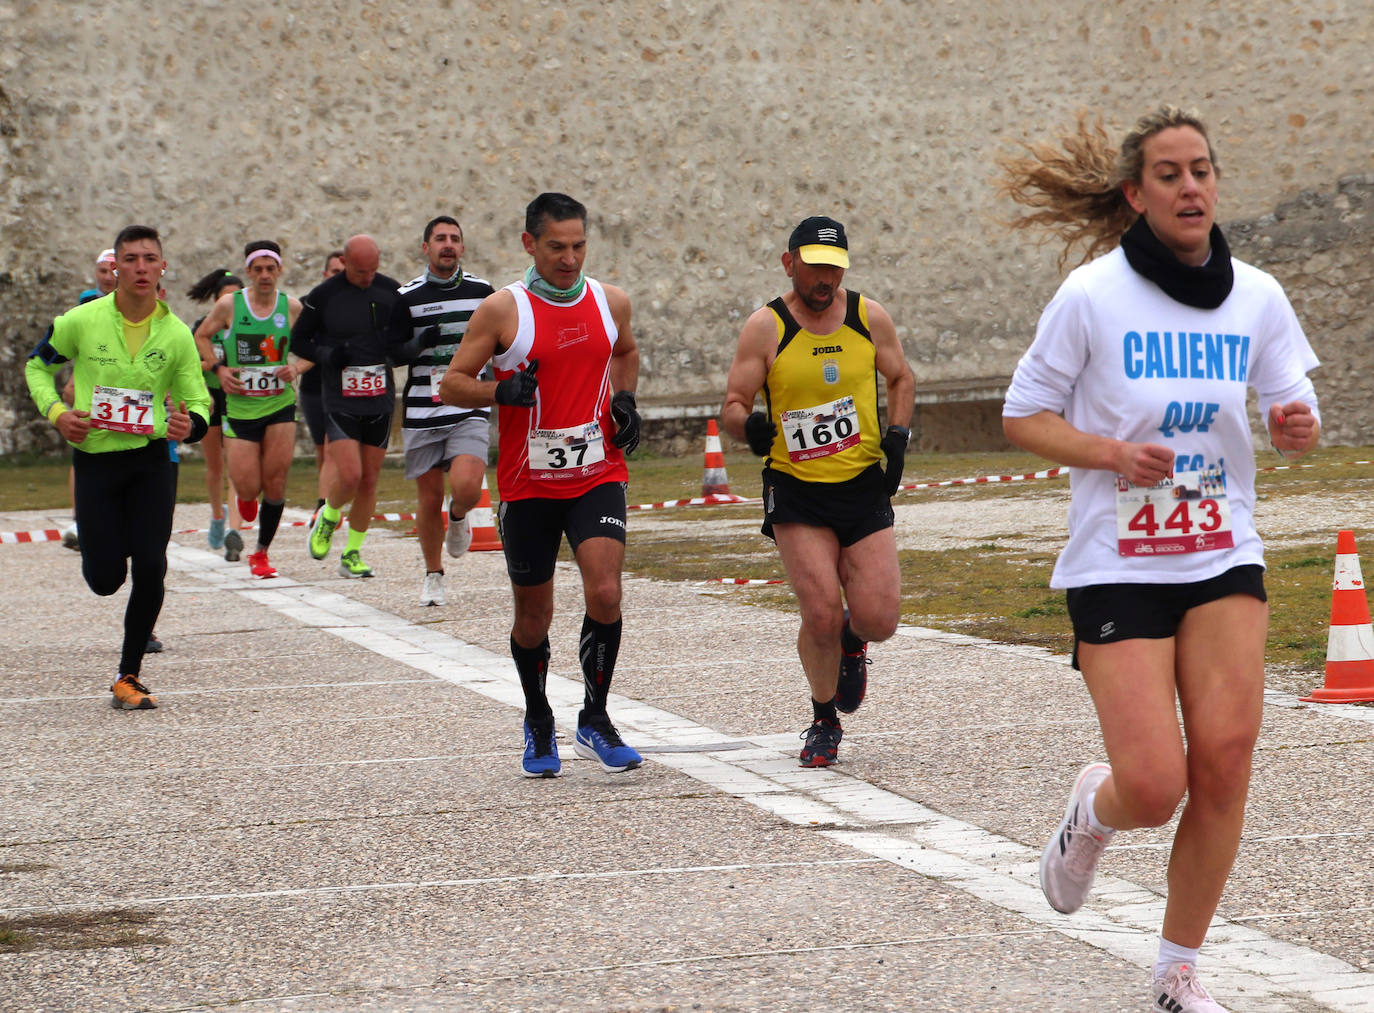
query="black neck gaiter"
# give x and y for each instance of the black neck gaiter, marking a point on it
(1204, 287)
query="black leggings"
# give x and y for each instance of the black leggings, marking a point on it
(125, 499)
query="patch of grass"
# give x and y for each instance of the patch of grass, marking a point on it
(82, 930)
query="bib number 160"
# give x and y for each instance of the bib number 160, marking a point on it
(822, 433)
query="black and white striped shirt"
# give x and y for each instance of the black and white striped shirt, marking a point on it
(448, 306)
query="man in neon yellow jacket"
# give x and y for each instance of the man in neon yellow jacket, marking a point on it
(138, 384)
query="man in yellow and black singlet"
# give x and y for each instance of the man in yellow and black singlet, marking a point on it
(815, 354)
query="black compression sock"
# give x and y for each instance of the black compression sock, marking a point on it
(532, 664)
(597, 649)
(825, 711)
(268, 520)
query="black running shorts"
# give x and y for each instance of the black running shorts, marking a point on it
(216, 406)
(532, 529)
(1106, 613)
(369, 430)
(853, 509)
(254, 429)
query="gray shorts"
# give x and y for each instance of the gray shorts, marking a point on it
(427, 449)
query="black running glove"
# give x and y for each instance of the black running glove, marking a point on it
(626, 416)
(760, 431)
(518, 389)
(894, 446)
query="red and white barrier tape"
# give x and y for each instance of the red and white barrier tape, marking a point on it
(742, 581)
(715, 499)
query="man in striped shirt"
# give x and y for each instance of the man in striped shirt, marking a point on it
(440, 440)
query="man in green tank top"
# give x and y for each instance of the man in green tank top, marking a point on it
(257, 378)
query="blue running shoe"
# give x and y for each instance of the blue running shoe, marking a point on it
(541, 750)
(216, 534)
(597, 739)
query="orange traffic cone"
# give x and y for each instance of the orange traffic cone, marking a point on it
(1350, 644)
(714, 482)
(484, 536)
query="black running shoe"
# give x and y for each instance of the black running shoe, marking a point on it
(822, 744)
(853, 682)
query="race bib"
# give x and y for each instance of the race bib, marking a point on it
(364, 381)
(436, 376)
(122, 410)
(821, 431)
(260, 381)
(1187, 512)
(567, 453)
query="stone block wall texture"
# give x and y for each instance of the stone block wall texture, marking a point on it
(697, 132)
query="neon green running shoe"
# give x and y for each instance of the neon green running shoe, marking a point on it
(321, 534)
(351, 564)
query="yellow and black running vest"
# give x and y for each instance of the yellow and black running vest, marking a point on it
(822, 391)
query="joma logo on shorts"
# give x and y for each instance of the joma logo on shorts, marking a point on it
(613, 520)
(827, 350)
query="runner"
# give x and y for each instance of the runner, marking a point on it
(344, 329)
(260, 401)
(815, 353)
(561, 343)
(208, 289)
(104, 285)
(439, 439)
(128, 353)
(311, 401)
(1137, 380)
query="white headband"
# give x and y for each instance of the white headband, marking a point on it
(260, 253)
(104, 256)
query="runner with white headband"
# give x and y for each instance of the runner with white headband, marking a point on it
(260, 401)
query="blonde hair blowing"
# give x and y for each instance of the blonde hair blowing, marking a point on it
(1075, 185)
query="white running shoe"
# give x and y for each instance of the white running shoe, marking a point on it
(459, 535)
(70, 538)
(1070, 859)
(433, 593)
(1179, 991)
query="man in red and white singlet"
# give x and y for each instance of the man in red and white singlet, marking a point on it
(566, 367)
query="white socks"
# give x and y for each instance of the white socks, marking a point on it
(1172, 953)
(1097, 824)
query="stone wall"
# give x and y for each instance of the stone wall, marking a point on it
(697, 132)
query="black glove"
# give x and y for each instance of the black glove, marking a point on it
(411, 349)
(518, 389)
(760, 431)
(894, 446)
(626, 416)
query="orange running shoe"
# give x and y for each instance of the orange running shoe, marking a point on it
(131, 695)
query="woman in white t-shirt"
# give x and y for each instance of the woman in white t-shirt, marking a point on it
(1137, 380)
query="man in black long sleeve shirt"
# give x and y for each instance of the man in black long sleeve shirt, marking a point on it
(344, 328)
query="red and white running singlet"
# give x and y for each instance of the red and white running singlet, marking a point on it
(560, 448)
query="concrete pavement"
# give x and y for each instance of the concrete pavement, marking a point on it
(327, 813)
